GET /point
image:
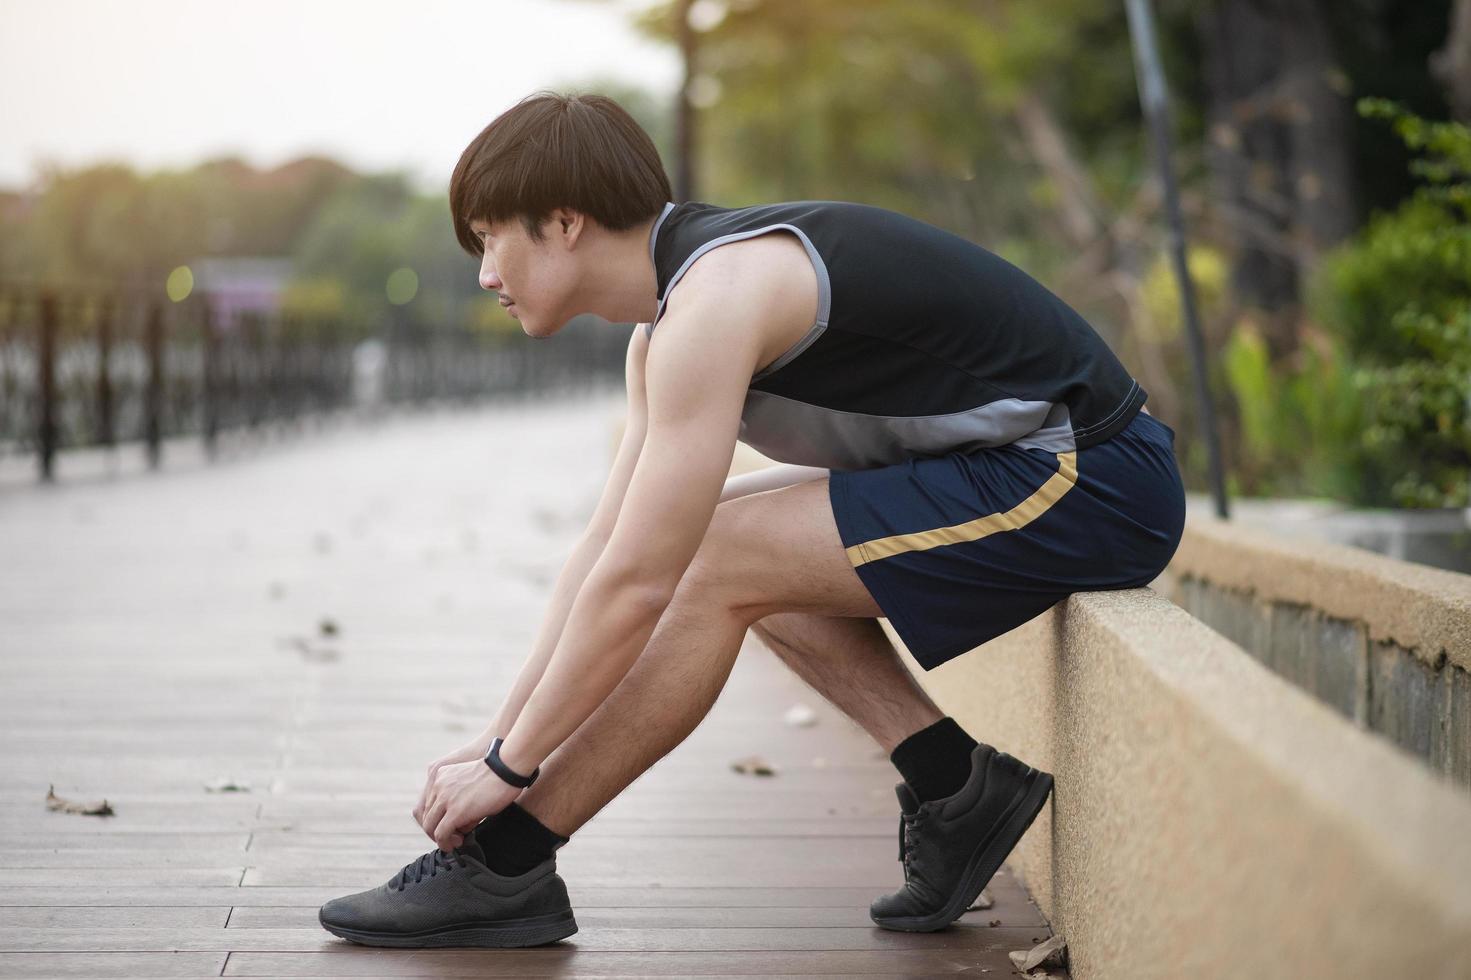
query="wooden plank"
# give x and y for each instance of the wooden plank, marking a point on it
(606, 939)
(114, 917)
(315, 895)
(93, 964)
(573, 962)
(598, 827)
(186, 854)
(1014, 915)
(233, 840)
(23, 878)
(364, 811)
(740, 860)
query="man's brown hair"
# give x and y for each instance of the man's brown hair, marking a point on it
(583, 152)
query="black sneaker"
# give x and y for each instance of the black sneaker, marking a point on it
(450, 898)
(952, 846)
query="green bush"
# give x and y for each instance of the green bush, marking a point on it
(1300, 421)
(1399, 298)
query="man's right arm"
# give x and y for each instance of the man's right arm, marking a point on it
(594, 539)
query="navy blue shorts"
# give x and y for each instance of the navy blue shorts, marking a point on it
(961, 548)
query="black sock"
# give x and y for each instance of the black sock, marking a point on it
(514, 841)
(935, 761)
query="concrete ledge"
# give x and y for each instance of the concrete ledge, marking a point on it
(1427, 610)
(1384, 642)
(1209, 819)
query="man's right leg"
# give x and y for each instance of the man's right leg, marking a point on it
(851, 663)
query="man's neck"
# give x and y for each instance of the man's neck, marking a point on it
(621, 282)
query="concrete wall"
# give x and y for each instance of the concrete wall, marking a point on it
(1385, 643)
(1210, 818)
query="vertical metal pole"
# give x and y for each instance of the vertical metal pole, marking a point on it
(1155, 102)
(209, 405)
(105, 433)
(258, 392)
(153, 404)
(685, 113)
(46, 384)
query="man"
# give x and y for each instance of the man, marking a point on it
(961, 452)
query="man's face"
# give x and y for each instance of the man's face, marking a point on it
(532, 278)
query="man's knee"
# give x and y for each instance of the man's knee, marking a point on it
(721, 569)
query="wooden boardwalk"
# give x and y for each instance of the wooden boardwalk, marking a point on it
(163, 635)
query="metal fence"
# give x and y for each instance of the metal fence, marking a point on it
(88, 368)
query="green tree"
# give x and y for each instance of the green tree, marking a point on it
(1399, 296)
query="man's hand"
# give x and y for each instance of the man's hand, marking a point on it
(468, 753)
(460, 796)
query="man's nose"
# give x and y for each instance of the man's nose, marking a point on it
(488, 278)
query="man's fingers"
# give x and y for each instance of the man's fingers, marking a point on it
(433, 813)
(445, 833)
(423, 803)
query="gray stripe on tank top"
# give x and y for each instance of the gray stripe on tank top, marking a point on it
(654, 232)
(824, 290)
(792, 431)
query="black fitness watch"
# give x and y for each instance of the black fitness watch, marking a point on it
(493, 759)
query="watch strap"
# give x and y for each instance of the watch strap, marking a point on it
(493, 760)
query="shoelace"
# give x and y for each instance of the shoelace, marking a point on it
(430, 862)
(905, 845)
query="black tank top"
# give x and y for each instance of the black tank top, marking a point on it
(924, 342)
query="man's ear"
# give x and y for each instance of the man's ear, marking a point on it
(568, 225)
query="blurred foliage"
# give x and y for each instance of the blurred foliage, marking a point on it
(1399, 296)
(1300, 421)
(1160, 292)
(1013, 123)
(909, 106)
(310, 297)
(344, 235)
(350, 239)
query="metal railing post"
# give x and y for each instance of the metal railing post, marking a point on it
(106, 433)
(46, 384)
(153, 396)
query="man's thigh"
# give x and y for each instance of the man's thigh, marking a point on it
(779, 551)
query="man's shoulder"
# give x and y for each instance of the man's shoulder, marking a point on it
(759, 259)
(767, 279)
(767, 273)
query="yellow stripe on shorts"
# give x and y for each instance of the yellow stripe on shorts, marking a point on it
(1019, 516)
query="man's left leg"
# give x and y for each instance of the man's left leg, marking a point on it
(771, 552)
(780, 552)
(777, 551)
(763, 553)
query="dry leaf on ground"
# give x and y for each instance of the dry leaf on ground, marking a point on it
(1051, 952)
(755, 765)
(99, 809)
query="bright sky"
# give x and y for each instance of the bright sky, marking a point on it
(376, 84)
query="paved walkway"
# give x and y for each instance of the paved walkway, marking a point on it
(317, 621)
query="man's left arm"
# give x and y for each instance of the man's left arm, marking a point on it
(698, 369)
